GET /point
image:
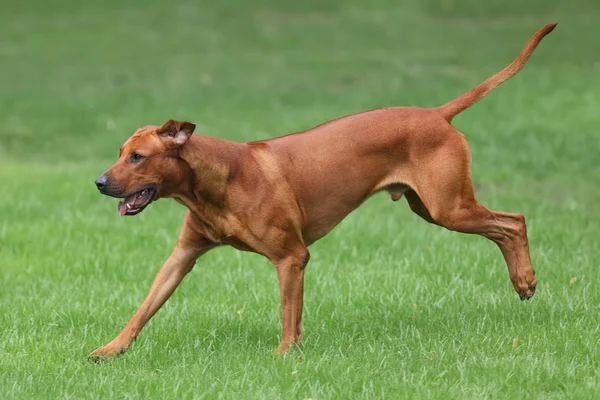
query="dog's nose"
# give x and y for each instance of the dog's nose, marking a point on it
(101, 182)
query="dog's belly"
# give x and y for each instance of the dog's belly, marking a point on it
(324, 208)
(327, 213)
(322, 224)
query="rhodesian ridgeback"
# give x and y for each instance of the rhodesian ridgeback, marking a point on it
(276, 197)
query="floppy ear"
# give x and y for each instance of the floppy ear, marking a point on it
(174, 133)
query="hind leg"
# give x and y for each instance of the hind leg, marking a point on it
(445, 196)
(507, 230)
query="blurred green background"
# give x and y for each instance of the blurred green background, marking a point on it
(394, 307)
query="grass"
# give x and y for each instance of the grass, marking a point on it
(394, 307)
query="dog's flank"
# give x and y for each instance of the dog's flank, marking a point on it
(278, 196)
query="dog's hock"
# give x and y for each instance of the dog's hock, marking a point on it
(174, 133)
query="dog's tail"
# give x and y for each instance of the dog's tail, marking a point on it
(449, 110)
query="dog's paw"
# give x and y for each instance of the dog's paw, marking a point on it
(287, 346)
(283, 348)
(525, 287)
(529, 292)
(106, 353)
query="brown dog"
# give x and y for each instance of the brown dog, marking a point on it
(278, 196)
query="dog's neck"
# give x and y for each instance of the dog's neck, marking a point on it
(211, 163)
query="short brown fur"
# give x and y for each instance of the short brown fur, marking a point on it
(276, 197)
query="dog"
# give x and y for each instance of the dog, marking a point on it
(278, 196)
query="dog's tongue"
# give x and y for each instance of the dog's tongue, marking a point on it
(122, 208)
(123, 204)
(134, 202)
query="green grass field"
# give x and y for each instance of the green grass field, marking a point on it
(394, 307)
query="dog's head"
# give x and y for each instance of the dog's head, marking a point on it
(149, 166)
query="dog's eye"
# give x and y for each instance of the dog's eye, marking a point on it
(135, 158)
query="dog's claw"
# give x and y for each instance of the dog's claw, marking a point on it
(97, 359)
(528, 295)
(532, 288)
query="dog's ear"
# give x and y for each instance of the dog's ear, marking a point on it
(174, 133)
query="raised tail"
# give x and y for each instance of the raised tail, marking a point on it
(452, 108)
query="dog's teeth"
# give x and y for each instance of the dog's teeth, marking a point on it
(128, 206)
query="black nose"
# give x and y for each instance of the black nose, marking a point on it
(101, 182)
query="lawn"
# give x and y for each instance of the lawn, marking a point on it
(394, 307)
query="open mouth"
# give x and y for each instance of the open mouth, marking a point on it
(135, 202)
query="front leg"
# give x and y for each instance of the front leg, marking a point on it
(189, 247)
(166, 281)
(290, 272)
